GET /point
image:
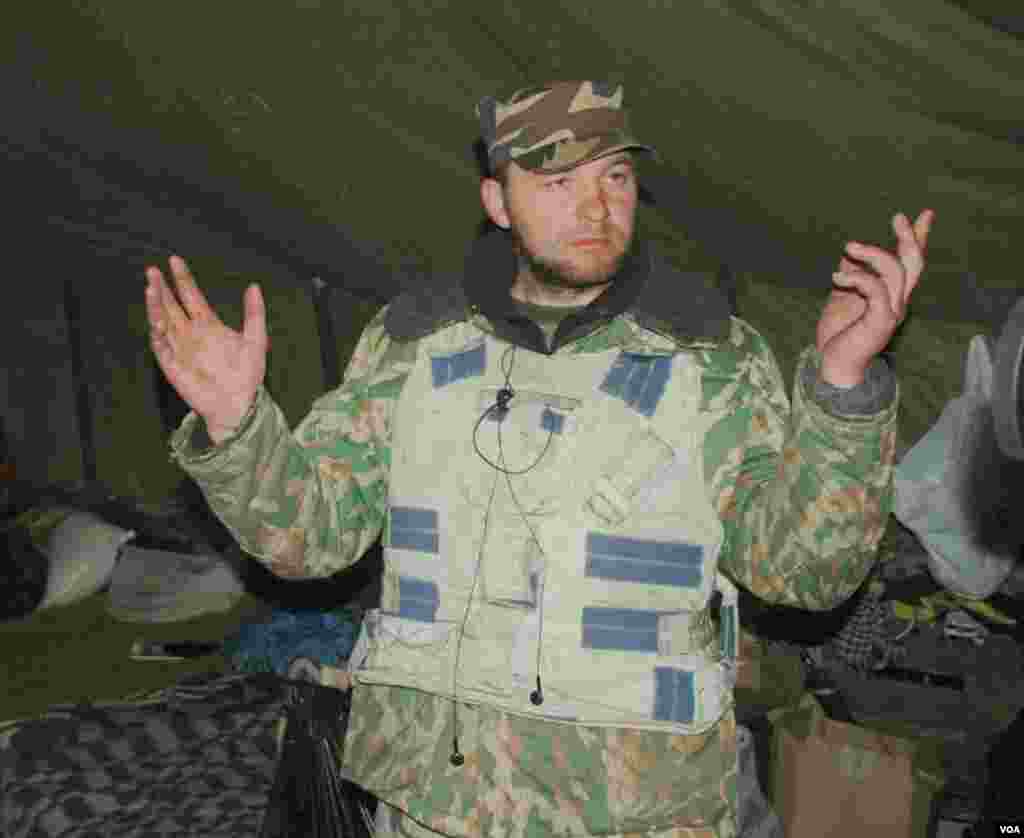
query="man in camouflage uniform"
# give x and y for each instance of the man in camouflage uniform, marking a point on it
(568, 452)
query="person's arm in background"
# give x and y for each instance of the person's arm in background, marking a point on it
(305, 504)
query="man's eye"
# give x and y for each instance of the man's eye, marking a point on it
(622, 176)
(557, 183)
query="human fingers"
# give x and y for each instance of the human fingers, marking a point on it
(159, 341)
(909, 248)
(846, 265)
(163, 311)
(876, 293)
(254, 327)
(188, 291)
(153, 306)
(169, 361)
(923, 227)
(889, 268)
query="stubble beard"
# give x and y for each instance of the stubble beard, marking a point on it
(560, 275)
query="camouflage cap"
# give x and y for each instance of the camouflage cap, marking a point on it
(556, 126)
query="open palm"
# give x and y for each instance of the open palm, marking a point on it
(215, 369)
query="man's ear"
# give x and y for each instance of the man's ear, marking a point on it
(493, 197)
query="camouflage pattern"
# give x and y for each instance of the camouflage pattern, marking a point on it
(554, 127)
(803, 495)
(527, 779)
(806, 505)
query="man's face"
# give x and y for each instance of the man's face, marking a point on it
(573, 229)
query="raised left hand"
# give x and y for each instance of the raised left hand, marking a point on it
(870, 300)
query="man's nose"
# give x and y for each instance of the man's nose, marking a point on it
(593, 204)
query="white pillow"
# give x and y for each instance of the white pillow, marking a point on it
(82, 550)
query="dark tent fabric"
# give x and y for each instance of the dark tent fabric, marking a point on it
(325, 149)
(303, 142)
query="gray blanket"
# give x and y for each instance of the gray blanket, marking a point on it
(196, 759)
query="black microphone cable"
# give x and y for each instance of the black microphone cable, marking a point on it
(501, 408)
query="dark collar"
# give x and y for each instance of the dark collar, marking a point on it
(685, 306)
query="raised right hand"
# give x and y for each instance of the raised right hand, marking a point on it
(215, 369)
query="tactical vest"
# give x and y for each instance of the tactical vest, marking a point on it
(596, 557)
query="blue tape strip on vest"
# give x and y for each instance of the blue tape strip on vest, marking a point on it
(414, 529)
(639, 380)
(418, 599)
(653, 562)
(674, 695)
(467, 363)
(626, 629)
(549, 420)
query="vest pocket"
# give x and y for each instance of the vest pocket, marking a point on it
(646, 460)
(512, 572)
(534, 441)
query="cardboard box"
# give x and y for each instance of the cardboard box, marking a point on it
(844, 781)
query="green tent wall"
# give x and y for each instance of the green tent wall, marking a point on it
(278, 142)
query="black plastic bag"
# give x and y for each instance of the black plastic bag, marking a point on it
(310, 799)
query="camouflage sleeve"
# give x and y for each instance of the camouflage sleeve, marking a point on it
(803, 491)
(307, 503)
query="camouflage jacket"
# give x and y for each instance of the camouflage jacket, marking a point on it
(803, 491)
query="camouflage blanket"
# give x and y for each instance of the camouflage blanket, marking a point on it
(195, 759)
